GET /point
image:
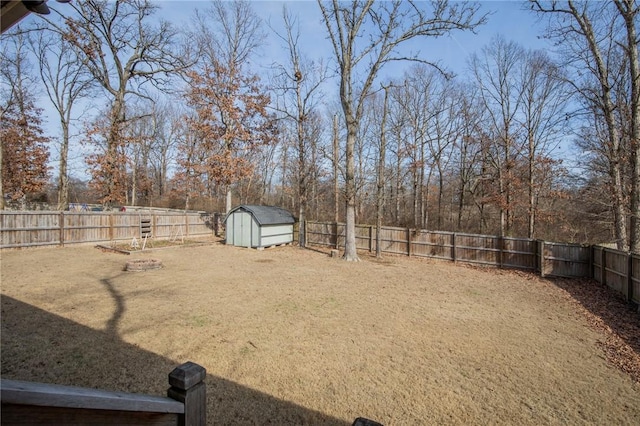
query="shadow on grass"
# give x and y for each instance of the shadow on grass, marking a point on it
(621, 317)
(43, 347)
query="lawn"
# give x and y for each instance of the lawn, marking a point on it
(292, 336)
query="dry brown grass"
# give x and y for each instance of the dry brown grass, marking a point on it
(292, 336)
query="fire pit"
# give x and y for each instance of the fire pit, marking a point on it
(137, 265)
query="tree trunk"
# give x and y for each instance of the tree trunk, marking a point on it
(398, 184)
(63, 178)
(381, 165)
(350, 249)
(336, 157)
(629, 12)
(228, 204)
(112, 172)
(440, 193)
(503, 211)
(532, 198)
(134, 182)
(1, 187)
(302, 168)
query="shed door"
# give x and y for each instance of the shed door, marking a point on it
(242, 229)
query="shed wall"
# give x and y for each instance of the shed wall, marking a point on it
(276, 234)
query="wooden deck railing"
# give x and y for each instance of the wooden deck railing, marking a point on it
(49, 404)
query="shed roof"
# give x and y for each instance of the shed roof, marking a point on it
(267, 215)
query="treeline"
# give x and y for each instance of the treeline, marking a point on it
(184, 120)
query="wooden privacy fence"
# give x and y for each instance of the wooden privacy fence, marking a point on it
(40, 403)
(622, 270)
(32, 229)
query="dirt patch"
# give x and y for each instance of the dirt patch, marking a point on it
(291, 336)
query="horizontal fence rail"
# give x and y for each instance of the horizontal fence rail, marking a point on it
(617, 269)
(32, 403)
(32, 229)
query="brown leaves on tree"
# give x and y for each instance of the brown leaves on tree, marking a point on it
(24, 151)
(108, 165)
(230, 122)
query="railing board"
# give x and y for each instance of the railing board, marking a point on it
(45, 394)
(31, 415)
(49, 404)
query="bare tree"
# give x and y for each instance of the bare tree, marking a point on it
(443, 131)
(497, 74)
(366, 36)
(629, 11)
(588, 35)
(467, 155)
(544, 121)
(414, 100)
(124, 52)
(169, 129)
(66, 80)
(298, 83)
(380, 181)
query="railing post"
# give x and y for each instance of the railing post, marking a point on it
(188, 387)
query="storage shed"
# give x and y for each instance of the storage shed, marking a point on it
(258, 226)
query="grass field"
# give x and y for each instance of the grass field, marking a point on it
(291, 336)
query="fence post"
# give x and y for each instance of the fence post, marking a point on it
(541, 257)
(629, 294)
(188, 387)
(335, 227)
(453, 247)
(186, 224)
(409, 242)
(603, 266)
(110, 226)
(370, 238)
(61, 220)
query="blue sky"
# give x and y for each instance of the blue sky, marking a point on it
(512, 19)
(508, 18)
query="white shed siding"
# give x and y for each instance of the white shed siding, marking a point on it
(277, 234)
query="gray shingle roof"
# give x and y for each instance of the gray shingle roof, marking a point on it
(267, 215)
